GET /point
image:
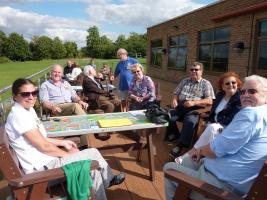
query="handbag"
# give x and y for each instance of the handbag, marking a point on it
(157, 115)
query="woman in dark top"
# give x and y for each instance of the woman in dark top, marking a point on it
(224, 108)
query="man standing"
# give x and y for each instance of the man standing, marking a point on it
(192, 93)
(58, 96)
(123, 69)
(234, 158)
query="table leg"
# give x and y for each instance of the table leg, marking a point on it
(150, 154)
(142, 142)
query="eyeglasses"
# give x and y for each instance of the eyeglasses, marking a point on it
(136, 72)
(27, 94)
(231, 82)
(249, 91)
(194, 70)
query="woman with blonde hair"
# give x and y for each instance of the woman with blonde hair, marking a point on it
(141, 90)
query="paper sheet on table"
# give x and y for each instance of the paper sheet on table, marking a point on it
(105, 123)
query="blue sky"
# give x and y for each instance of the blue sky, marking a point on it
(69, 19)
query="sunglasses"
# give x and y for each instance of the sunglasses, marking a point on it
(194, 70)
(231, 82)
(136, 72)
(27, 94)
(249, 91)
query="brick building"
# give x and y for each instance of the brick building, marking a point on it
(228, 35)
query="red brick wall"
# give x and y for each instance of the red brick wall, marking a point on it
(243, 28)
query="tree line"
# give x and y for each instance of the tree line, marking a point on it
(16, 48)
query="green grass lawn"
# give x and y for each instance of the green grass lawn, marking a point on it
(13, 70)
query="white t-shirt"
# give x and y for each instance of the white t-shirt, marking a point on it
(19, 122)
(220, 107)
(75, 72)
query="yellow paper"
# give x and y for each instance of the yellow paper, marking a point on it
(104, 123)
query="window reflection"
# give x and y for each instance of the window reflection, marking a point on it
(263, 55)
(262, 45)
(156, 53)
(214, 49)
(177, 52)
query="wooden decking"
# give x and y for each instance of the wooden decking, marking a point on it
(137, 184)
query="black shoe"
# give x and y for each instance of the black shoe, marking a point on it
(175, 152)
(171, 138)
(101, 136)
(117, 179)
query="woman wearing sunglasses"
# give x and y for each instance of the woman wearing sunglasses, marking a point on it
(224, 108)
(36, 152)
(142, 89)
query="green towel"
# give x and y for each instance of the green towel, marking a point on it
(79, 180)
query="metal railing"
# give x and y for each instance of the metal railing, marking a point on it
(7, 88)
(5, 105)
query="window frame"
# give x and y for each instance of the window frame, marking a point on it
(212, 44)
(158, 49)
(259, 40)
(177, 46)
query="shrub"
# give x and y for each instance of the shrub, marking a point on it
(4, 59)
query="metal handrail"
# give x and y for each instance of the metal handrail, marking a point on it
(3, 90)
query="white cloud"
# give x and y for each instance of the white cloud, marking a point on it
(141, 13)
(30, 24)
(123, 16)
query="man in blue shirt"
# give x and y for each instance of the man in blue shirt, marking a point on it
(123, 69)
(234, 158)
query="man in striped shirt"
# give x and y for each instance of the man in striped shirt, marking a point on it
(191, 93)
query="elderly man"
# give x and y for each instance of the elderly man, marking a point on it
(123, 69)
(57, 95)
(192, 93)
(234, 158)
(95, 92)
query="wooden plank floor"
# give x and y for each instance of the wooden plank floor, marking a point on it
(137, 185)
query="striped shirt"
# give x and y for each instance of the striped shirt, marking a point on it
(188, 90)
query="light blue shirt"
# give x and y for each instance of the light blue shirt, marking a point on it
(57, 94)
(241, 149)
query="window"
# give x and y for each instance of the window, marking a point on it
(177, 52)
(156, 52)
(214, 49)
(262, 38)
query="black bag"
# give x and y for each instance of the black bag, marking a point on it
(157, 114)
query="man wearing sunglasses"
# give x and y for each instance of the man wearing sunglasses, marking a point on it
(235, 157)
(57, 95)
(192, 93)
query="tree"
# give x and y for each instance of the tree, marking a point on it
(17, 48)
(107, 48)
(93, 42)
(136, 44)
(58, 49)
(121, 42)
(41, 47)
(71, 49)
(3, 39)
